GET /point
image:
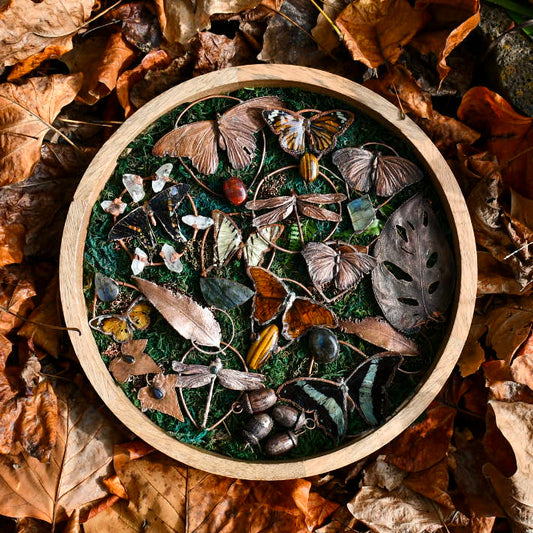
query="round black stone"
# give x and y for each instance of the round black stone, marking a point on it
(323, 345)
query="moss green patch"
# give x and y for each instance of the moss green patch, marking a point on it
(165, 345)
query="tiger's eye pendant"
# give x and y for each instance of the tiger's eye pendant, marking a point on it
(262, 348)
(309, 167)
(235, 191)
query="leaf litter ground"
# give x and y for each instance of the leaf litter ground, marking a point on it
(165, 345)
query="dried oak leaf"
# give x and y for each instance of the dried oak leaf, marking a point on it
(154, 60)
(515, 493)
(506, 134)
(180, 20)
(28, 28)
(473, 355)
(423, 444)
(380, 333)
(414, 277)
(375, 31)
(386, 505)
(498, 232)
(26, 111)
(71, 479)
(450, 22)
(187, 317)
(216, 52)
(40, 204)
(399, 83)
(176, 498)
(47, 312)
(509, 326)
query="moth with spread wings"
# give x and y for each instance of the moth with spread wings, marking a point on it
(299, 314)
(233, 131)
(162, 208)
(343, 264)
(364, 170)
(306, 204)
(308, 138)
(229, 241)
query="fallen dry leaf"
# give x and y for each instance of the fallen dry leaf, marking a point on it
(81, 457)
(16, 295)
(11, 243)
(388, 507)
(424, 444)
(498, 232)
(509, 326)
(168, 402)
(198, 502)
(180, 20)
(155, 60)
(432, 483)
(73, 523)
(494, 277)
(28, 28)
(506, 133)
(450, 22)
(515, 493)
(30, 525)
(473, 355)
(522, 208)
(102, 78)
(142, 364)
(500, 382)
(399, 84)
(26, 111)
(522, 369)
(323, 33)
(47, 312)
(216, 52)
(375, 31)
(379, 332)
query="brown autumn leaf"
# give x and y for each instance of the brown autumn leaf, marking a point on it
(82, 456)
(73, 523)
(323, 33)
(522, 208)
(432, 483)
(450, 22)
(16, 295)
(506, 134)
(473, 355)
(522, 367)
(501, 385)
(386, 505)
(216, 52)
(181, 20)
(101, 78)
(30, 525)
(11, 243)
(379, 332)
(375, 31)
(515, 493)
(424, 444)
(175, 498)
(26, 111)
(168, 402)
(154, 60)
(47, 312)
(142, 364)
(494, 277)
(399, 84)
(509, 326)
(187, 317)
(498, 232)
(28, 28)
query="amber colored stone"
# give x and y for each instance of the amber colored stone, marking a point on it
(309, 167)
(235, 190)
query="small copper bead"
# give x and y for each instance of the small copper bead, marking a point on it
(235, 191)
(259, 400)
(288, 417)
(257, 428)
(309, 167)
(280, 443)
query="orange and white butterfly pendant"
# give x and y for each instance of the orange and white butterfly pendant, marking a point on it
(308, 137)
(299, 314)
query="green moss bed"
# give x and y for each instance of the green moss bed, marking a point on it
(165, 345)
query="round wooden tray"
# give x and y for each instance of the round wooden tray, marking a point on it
(102, 167)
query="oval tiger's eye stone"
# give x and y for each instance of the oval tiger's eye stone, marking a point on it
(309, 167)
(323, 345)
(235, 190)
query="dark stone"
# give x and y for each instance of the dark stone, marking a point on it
(323, 345)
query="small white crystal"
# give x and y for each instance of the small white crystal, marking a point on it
(171, 258)
(115, 207)
(198, 222)
(139, 261)
(134, 185)
(162, 176)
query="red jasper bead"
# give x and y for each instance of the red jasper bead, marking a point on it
(235, 190)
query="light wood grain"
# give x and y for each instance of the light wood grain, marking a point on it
(103, 165)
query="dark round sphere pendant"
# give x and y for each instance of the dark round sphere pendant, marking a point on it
(323, 345)
(235, 191)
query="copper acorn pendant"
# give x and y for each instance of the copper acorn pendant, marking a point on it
(235, 191)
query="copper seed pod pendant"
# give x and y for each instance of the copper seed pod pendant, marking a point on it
(235, 190)
(288, 417)
(258, 401)
(309, 167)
(257, 428)
(280, 443)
